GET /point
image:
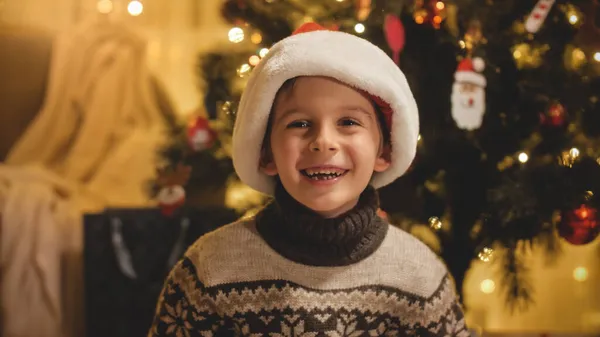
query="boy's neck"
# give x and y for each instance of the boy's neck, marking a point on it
(302, 235)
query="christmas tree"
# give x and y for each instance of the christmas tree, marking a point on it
(508, 157)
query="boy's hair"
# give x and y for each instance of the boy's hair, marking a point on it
(287, 88)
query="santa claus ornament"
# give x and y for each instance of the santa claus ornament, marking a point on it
(171, 195)
(200, 135)
(468, 94)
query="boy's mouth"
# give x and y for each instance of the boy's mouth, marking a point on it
(323, 174)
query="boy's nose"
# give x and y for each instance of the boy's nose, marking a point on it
(323, 141)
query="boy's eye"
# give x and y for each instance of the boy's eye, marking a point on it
(298, 124)
(349, 122)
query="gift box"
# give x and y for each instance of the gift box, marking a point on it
(128, 254)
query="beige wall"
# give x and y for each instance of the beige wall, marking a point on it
(177, 30)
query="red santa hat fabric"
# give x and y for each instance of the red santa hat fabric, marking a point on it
(468, 71)
(315, 51)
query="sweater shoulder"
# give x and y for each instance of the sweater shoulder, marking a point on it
(420, 269)
(218, 252)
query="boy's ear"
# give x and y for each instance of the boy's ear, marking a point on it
(384, 160)
(266, 163)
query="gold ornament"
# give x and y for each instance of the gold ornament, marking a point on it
(435, 223)
(486, 254)
(568, 158)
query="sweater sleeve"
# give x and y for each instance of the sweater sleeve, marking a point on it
(444, 316)
(184, 309)
(456, 320)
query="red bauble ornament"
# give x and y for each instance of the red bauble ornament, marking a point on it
(200, 135)
(579, 226)
(555, 116)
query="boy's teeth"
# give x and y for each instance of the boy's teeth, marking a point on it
(325, 174)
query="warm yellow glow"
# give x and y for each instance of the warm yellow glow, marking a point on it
(439, 5)
(487, 286)
(517, 54)
(243, 198)
(104, 6)
(597, 56)
(263, 52)
(527, 56)
(578, 54)
(573, 19)
(135, 8)
(236, 35)
(580, 274)
(254, 60)
(256, 38)
(419, 19)
(437, 19)
(523, 157)
(339, 0)
(359, 28)
(462, 44)
(419, 138)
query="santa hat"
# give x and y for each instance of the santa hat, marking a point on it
(469, 71)
(315, 51)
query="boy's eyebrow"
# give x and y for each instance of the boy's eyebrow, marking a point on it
(285, 113)
(357, 108)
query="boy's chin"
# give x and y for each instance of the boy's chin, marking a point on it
(329, 209)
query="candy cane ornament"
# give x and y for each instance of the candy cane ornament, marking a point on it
(538, 15)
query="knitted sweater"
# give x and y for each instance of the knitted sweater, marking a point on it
(277, 275)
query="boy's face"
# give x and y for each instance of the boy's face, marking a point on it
(325, 144)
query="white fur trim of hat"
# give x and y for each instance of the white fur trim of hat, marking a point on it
(470, 77)
(342, 56)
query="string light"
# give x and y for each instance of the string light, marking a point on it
(597, 56)
(487, 286)
(236, 35)
(523, 157)
(104, 6)
(254, 60)
(359, 28)
(440, 5)
(135, 8)
(263, 52)
(256, 38)
(580, 274)
(574, 152)
(573, 19)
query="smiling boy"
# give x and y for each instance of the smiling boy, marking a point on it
(326, 119)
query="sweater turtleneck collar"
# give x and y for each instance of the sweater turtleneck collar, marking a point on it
(301, 235)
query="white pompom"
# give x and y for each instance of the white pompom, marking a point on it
(478, 64)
